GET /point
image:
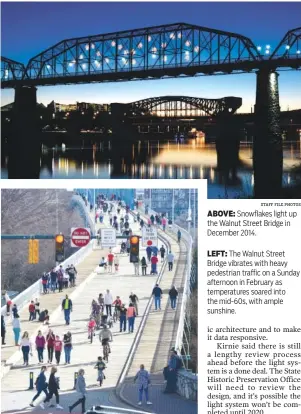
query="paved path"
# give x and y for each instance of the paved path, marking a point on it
(84, 354)
(153, 349)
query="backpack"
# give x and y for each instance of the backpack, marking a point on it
(179, 363)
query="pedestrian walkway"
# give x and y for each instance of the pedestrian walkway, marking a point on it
(159, 336)
(84, 355)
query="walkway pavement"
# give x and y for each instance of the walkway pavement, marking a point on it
(83, 354)
(153, 348)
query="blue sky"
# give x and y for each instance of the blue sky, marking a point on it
(30, 27)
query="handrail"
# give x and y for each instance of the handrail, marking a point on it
(36, 288)
(179, 346)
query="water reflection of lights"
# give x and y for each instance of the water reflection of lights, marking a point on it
(201, 172)
(170, 172)
(212, 174)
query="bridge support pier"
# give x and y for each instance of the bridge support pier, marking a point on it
(267, 147)
(24, 146)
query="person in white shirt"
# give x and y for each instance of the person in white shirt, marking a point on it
(108, 300)
(170, 260)
(25, 346)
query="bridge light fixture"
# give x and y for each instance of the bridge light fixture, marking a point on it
(172, 36)
(165, 58)
(154, 49)
(84, 65)
(187, 43)
(133, 51)
(81, 56)
(98, 53)
(92, 46)
(298, 52)
(113, 43)
(6, 73)
(107, 60)
(163, 45)
(71, 64)
(87, 47)
(268, 47)
(267, 51)
(154, 56)
(134, 61)
(120, 47)
(179, 35)
(259, 48)
(197, 48)
(48, 66)
(140, 45)
(149, 38)
(287, 47)
(126, 52)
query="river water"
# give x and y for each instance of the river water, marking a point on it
(155, 159)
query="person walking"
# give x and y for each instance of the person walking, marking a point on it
(179, 234)
(143, 266)
(25, 346)
(171, 372)
(173, 294)
(116, 263)
(58, 346)
(170, 260)
(60, 278)
(67, 308)
(53, 387)
(134, 300)
(45, 282)
(40, 346)
(8, 303)
(108, 301)
(31, 309)
(101, 302)
(131, 315)
(3, 330)
(37, 308)
(67, 346)
(41, 385)
(53, 280)
(14, 311)
(50, 338)
(162, 252)
(16, 329)
(110, 262)
(154, 261)
(149, 253)
(164, 221)
(143, 383)
(122, 319)
(81, 390)
(157, 293)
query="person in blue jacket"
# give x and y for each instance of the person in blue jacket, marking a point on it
(41, 385)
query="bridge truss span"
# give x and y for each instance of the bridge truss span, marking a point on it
(183, 106)
(153, 52)
(11, 70)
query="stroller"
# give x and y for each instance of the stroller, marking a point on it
(123, 248)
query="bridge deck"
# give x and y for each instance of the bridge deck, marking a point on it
(84, 354)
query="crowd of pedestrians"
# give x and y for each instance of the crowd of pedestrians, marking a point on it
(102, 310)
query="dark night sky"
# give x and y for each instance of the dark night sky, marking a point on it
(30, 27)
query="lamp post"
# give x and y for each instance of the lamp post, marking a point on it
(189, 212)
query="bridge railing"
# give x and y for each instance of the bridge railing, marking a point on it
(36, 288)
(182, 341)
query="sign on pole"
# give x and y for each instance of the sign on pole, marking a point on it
(149, 236)
(80, 236)
(108, 237)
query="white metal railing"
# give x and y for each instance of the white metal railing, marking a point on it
(183, 322)
(36, 288)
(113, 410)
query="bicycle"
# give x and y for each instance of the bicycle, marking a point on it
(116, 314)
(106, 351)
(91, 333)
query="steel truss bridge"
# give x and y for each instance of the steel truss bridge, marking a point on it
(174, 50)
(182, 106)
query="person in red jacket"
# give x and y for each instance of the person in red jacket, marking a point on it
(110, 261)
(50, 338)
(32, 310)
(154, 261)
(58, 346)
